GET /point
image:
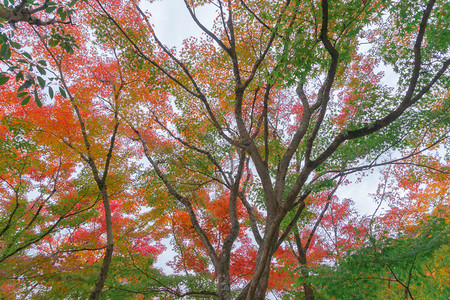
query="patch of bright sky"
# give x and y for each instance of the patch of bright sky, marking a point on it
(173, 23)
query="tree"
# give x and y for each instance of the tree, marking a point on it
(398, 253)
(243, 128)
(259, 53)
(16, 60)
(336, 229)
(408, 265)
(93, 113)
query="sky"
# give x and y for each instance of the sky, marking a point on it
(173, 22)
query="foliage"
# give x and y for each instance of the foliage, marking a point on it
(410, 265)
(228, 150)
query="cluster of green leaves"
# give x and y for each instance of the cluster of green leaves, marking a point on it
(387, 265)
(152, 283)
(396, 51)
(21, 66)
(59, 37)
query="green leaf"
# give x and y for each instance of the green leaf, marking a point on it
(41, 81)
(42, 62)
(41, 70)
(26, 54)
(63, 15)
(5, 52)
(26, 100)
(51, 6)
(3, 80)
(53, 42)
(22, 94)
(63, 92)
(19, 76)
(26, 85)
(50, 92)
(50, 9)
(15, 45)
(36, 98)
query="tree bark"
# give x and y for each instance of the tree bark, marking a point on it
(261, 288)
(224, 283)
(95, 295)
(24, 15)
(307, 288)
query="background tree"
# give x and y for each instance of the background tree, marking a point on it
(407, 265)
(80, 126)
(16, 61)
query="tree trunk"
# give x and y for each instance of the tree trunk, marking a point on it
(261, 289)
(95, 295)
(257, 287)
(307, 288)
(224, 282)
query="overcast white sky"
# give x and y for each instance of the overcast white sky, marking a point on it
(173, 23)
